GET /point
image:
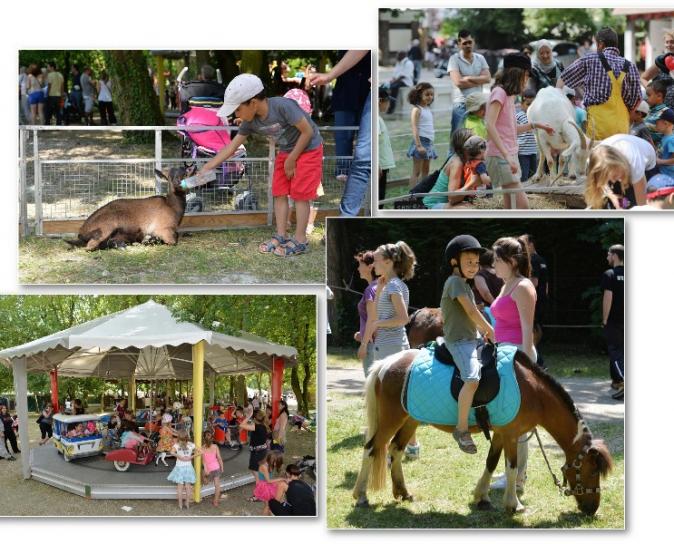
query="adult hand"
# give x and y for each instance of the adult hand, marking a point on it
(546, 128)
(356, 336)
(319, 79)
(362, 352)
(289, 167)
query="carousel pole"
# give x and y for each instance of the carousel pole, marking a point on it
(21, 389)
(198, 410)
(132, 394)
(53, 375)
(276, 387)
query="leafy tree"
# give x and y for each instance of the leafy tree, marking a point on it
(491, 28)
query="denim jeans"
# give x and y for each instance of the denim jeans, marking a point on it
(528, 164)
(459, 115)
(344, 139)
(358, 181)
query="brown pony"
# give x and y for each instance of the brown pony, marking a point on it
(544, 402)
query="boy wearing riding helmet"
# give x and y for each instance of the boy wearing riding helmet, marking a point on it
(462, 321)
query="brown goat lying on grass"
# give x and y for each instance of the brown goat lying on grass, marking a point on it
(134, 220)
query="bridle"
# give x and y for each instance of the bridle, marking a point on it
(564, 487)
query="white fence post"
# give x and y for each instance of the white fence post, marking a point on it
(37, 174)
(23, 203)
(157, 158)
(270, 197)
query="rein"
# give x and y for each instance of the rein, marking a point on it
(576, 464)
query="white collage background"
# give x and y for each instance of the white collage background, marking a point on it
(330, 24)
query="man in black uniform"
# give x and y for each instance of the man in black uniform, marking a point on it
(613, 316)
(539, 277)
(299, 498)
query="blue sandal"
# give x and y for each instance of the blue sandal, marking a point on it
(292, 247)
(270, 246)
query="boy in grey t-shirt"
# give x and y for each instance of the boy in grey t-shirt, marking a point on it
(299, 164)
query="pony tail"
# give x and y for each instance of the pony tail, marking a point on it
(525, 262)
(406, 261)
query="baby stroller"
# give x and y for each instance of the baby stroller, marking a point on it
(205, 144)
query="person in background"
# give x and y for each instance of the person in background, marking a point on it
(527, 150)
(36, 98)
(468, 72)
(539, 277)
(293, 497)
(105, 106)
(88, 92)
(55, 94)
(613, 317)
(664, 125)
(581, 114)
(476, 108)
(638, 127)
(358, 180)
(403, 76)
(386, 159)
(416, 56)
(545, 70)
(76, 90)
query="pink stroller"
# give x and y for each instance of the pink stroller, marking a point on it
(207, 143)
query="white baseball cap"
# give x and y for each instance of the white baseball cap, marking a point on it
(643, 107)
(242, 88)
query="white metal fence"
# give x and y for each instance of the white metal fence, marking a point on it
(66, 189)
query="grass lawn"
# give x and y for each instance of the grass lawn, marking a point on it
(33, 498)
(443, 495)
(219, 257)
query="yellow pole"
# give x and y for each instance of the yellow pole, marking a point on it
(198, 409)
(132, 394)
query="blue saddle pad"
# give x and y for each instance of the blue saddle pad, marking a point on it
(428, 397)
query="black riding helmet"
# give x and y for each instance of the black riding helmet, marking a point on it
(460, 243)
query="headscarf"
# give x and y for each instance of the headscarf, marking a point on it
(545, 68)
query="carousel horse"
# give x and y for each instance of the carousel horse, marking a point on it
(542, 402)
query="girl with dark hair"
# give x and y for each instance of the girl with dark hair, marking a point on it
(421, 149)
(502, 149)
(367, 310)
(513, 312)
(258, 427)
(451, 176)
(266, 485)
(45, 422)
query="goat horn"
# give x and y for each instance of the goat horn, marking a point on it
(583, 138)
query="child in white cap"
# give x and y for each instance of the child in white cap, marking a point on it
(299, 163)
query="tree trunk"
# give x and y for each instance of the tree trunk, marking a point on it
(226, 61)
(136, 102)
(240, 389)
(297, 389)
(256, 62)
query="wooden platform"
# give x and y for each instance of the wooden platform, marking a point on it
(96, 478)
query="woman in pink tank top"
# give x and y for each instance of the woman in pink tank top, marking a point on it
(514, 308)
(513, 311)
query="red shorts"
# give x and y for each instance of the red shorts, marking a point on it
(308, 173)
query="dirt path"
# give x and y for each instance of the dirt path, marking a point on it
(592, 396)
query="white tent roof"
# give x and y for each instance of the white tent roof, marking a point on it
(150, 340)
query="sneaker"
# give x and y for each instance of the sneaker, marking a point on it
(617, 385)
(465, 441)
(619, 395)
(412, 451)
(499, 482)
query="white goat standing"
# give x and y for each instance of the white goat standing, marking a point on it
(552, 108)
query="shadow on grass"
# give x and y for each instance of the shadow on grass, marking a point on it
(349, 480)
(350, 443)
(399, 515)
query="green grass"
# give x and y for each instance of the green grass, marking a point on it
(443, 479)
(218, 257)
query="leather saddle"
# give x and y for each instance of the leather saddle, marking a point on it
(490, 381)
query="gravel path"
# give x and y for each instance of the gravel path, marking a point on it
(592, 396)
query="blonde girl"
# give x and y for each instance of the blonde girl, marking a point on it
(393, 263)
(183, 473)
(421, 150)
(616, 172)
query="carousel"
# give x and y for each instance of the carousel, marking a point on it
(142, 343)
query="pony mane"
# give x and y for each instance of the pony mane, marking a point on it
(556, 388)
(604, 459)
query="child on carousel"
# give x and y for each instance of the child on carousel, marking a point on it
(462, 321)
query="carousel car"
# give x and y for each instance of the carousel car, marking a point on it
(77, 436)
